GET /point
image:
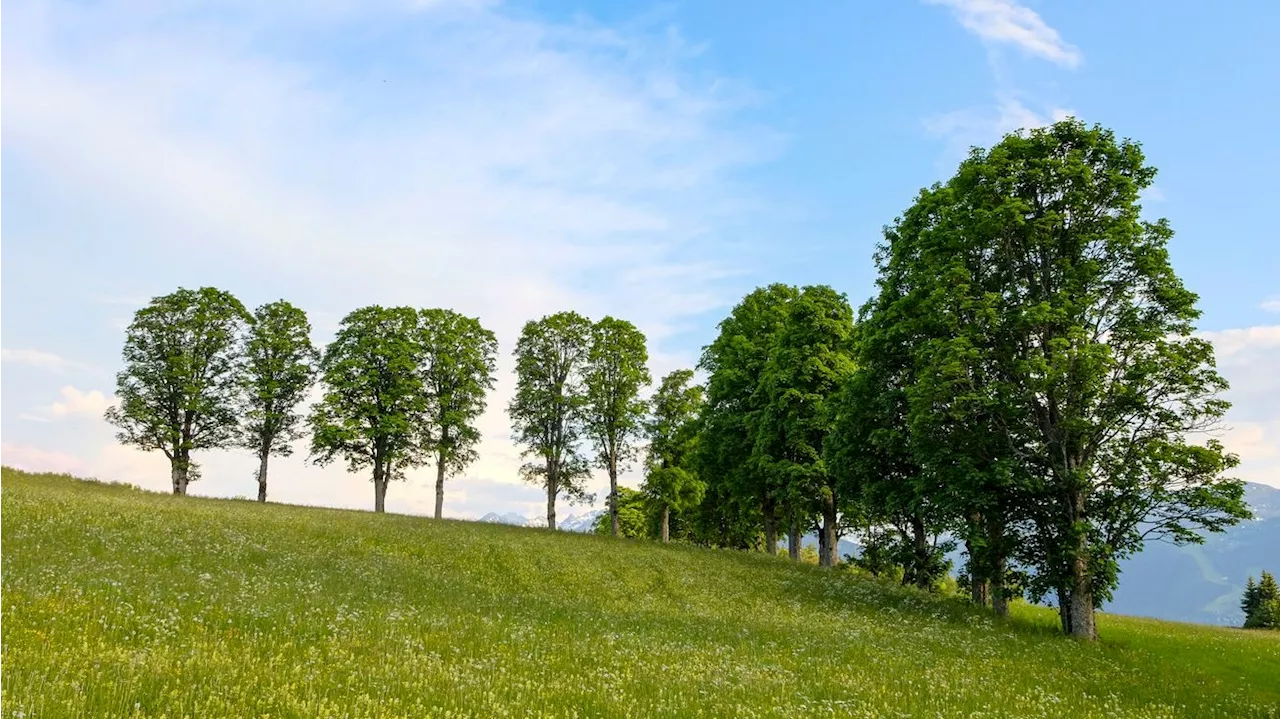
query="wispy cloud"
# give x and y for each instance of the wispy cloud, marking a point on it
(451, 154)
(40, 359)
(1271, 304)
(77, 402)
(1005, 22)
(981, 126)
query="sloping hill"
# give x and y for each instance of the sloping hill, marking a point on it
(122, 603)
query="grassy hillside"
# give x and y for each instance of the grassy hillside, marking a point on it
(119, 603)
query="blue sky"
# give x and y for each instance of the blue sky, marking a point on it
(654, 161)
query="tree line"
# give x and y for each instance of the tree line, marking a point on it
(1024, 383)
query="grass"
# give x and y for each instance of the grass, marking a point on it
(121, 603)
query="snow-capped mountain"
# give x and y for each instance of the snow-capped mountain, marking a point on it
(583, 522)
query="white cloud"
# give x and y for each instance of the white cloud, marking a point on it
(1249, 358)
(976, 126)
(1005, 22)
(450, 156)
(1271, 304)
(39, 359)
(79, 403)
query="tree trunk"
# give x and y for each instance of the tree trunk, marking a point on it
(666, 524)
(1082, 617)
(920, 542)
(262, 476)
(978, 589)
(770, 514)
(793, 539)
(613, 494)
(439, 487)
(999, 599)
(179, 467)
(1064, 609)
(379, 487)
(830, 555)
(551, 496)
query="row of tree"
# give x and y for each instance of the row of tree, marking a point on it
(1025, 382)
(401, 387)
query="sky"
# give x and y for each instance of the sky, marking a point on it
(652, 161)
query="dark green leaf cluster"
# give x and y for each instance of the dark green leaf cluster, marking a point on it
(1261, 603)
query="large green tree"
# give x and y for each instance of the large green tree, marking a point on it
(459, 361)
(547, 411)
(811, 359)
(741, 490)
(1090, 371)
(615, 372)
(671, 478)
(180, 383)
(374, 403)
(279, 367)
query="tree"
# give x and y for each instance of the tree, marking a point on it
(614, 373)
(458, 369)
(179, 385)
(633, 516)
(671, 480)
(810, 361)
(740, 487)
(1091, 374)
(374, 404)
(279, 368)
(547, 411)
(1261, 603)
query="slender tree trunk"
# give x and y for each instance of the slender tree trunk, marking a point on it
(920, 542)
(262, 475)
(829, 554)
(552, 489)
(793, 538)
(439, 486)
(379, 487)
(999, 599)
(179, 471)
(770, 514)
(666, 523)
(613, 494)
(978, 589)
(1064, 609)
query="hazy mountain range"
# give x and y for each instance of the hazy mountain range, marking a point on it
(1193, 583)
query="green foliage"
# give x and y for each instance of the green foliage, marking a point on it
(1261, 603)
(180, 383)
(459, 362)
(549, 407)
(671, 479)
(374, 404)
(742, 491)
(634, 518)
(1047, 354)
(615, 372)
(279, 366)
(253, 611)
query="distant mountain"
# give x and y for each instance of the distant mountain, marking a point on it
(573, 523)
(1203, 582)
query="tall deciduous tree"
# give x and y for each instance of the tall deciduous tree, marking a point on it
(179, 385)
(810, 361)
(1089, 363)
(374, 403)
(458, 369)
(737, 483)
(547, 411)
(671, 479)
(615, 372)
(279, 368)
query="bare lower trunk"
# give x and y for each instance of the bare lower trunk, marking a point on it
(551, 496)
(770, 515)
(613, 495)
(920, 542)
(262, 476)
(1064, 609)
(666, 524)
(1083, 625)
(829, 553)
(978, 591)
(439, 487)
(379, 487)
(999, 598)
(178, 472)
(793, 539)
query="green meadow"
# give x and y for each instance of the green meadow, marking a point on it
(123, 603)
